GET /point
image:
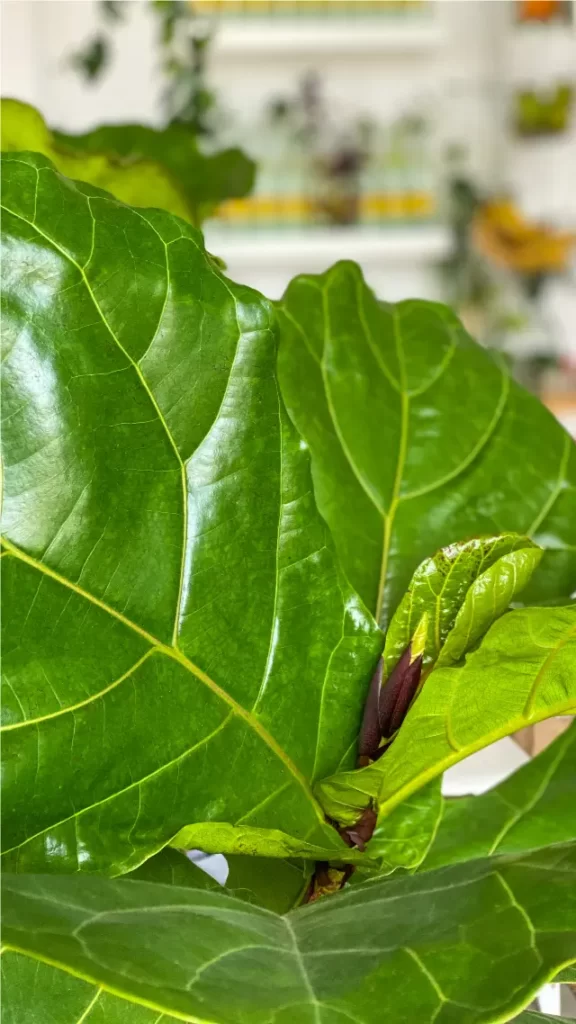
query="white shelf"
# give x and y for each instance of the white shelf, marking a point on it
(317, 36)
(323, 246)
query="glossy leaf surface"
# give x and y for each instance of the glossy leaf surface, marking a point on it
(140, 166)
(471, 944)
(418, 438)
(534, 807)
(180, 644)
(523, 671)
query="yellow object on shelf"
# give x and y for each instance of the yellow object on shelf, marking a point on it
(306, 8)
(505, 237)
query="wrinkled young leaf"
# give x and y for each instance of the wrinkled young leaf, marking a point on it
(534, 807)
(418, 438)
(471, 943)
(275, 884)
(140, 166)
(180, 644)
(202, 180)
(523, 671)
(458, 594)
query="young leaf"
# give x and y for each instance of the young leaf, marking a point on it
(451, 602)
(180, 644)
(141, 166)
(471, 943)
(535, 807)
(418, 438)
(523, 672)
(461, 590)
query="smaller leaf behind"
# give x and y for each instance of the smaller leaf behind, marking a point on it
(274, 884)
(534, 807)
(222, 837)
(402, 839)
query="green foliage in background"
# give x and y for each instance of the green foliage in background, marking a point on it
(160, 168)
(187, 660)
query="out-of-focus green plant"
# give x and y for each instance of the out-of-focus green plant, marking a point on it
(141, 166)
(182, 51)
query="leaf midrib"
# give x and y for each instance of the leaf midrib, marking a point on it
(178, 656)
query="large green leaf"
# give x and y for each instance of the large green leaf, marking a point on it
(180, 644)
(36, 993)
(203, 180)
(523, 671)
(418, 438)
(470, 943)
(140, 166)
(535, 807)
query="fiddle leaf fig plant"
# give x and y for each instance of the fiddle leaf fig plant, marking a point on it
(191, 661)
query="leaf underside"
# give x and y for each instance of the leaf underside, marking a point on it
(465, 945)
(535, 807)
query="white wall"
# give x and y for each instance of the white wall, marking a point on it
(466, 80)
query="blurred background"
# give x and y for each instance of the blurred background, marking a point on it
(433, 141)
